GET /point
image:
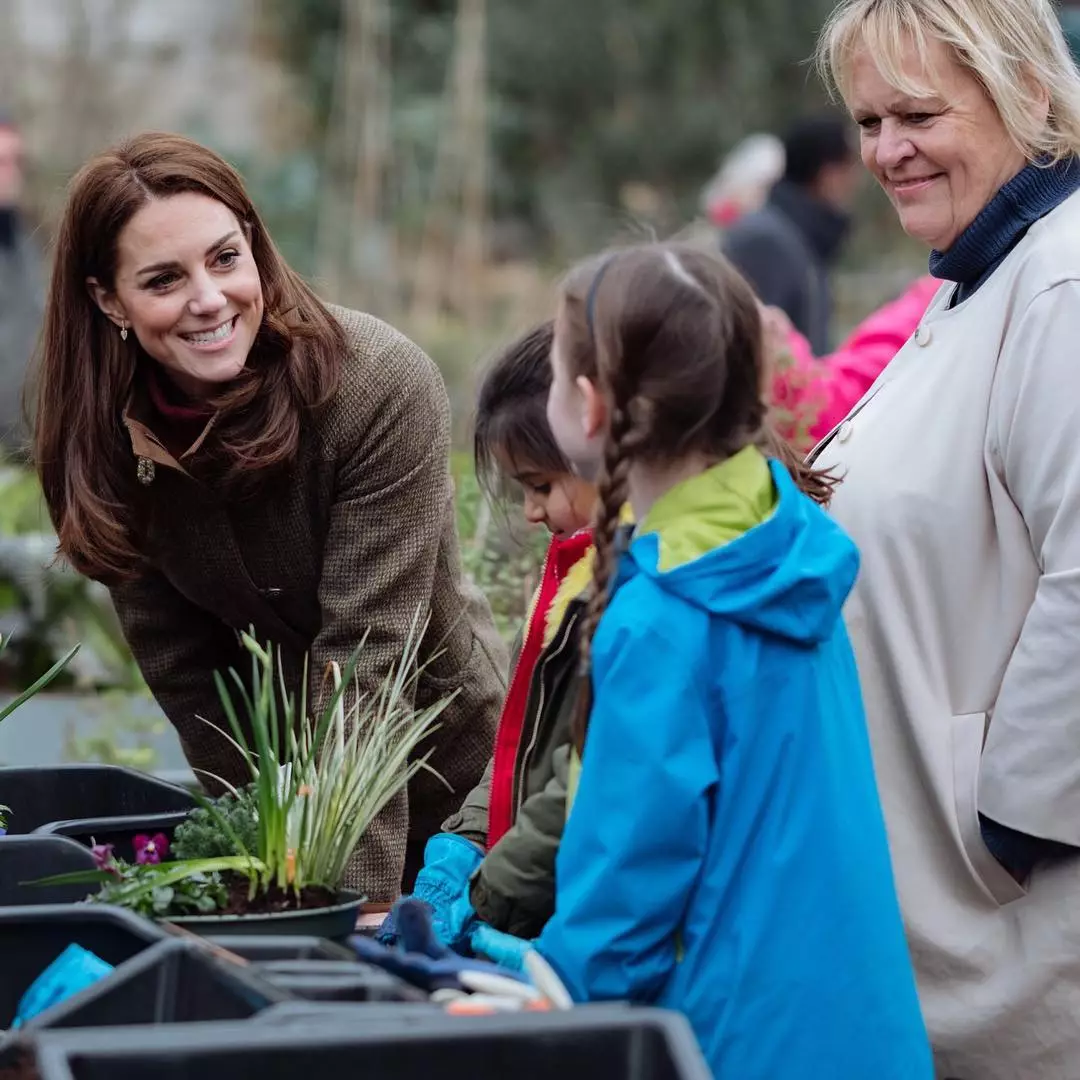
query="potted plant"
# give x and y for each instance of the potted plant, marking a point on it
(272, 856)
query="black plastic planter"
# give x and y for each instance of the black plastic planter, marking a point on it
(282, 947)
(31, 938)
(617, 1044)
(30, 858)
(106, 804)
(172, 982)
(334, 923)
(331, 980)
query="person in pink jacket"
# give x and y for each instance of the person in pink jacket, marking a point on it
(811, 395)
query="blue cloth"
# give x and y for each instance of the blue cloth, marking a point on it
(982, 247)
(73, 970)
(726, 852)
(449, 862)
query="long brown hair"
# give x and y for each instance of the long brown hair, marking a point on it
(672, 338)
(86, 373)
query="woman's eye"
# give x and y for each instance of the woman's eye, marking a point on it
(919, 118)
(540, 489)
(869, 123)
(162, 281)
(228, 258)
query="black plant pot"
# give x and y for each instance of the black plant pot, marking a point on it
(333, 923)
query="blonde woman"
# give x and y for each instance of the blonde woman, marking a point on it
(961, 469)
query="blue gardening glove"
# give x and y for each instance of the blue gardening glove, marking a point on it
(505, 950)
(421, 959)
(449, 862)
(460, 921)
(73, 970)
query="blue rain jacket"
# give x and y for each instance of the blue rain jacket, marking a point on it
(726, 853)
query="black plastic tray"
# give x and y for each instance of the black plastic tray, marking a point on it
(31, 938)
(172, 982)
(105, 804)
(332, 980)
(584, 1044)
(54, 793)
(30, 858)
(275, 947)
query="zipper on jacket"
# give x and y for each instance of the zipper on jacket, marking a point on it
(520, 773)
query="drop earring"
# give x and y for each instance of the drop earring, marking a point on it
(123, 331)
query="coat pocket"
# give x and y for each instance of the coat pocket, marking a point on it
(968, 734)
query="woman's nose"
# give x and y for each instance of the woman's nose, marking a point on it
(893, 146)
(206, 296)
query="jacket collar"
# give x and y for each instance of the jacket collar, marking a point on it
(1030, 195)
(149, 450)
(711, 509)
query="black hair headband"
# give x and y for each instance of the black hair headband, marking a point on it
(590, 299)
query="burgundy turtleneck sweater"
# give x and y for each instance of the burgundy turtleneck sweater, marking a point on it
(179, 420)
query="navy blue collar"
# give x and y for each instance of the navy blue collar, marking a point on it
(981, 248)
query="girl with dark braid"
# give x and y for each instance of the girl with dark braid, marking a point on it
(725, 853)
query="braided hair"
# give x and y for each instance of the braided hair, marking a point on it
(672, 339)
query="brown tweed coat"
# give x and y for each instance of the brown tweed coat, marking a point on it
(358, 535)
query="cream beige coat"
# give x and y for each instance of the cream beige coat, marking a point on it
(962, 489)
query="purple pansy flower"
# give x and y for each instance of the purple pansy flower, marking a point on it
(150, 849)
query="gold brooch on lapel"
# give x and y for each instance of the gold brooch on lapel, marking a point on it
(145, 471)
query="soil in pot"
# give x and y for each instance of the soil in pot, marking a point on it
(274, 900)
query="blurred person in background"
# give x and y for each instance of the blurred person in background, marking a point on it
(744, 179)
(21, 288)
(786, 248)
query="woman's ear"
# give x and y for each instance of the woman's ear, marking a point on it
(1038, 97)
(106, 301)
(594, 413)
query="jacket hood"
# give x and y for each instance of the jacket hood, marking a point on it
(788, 575)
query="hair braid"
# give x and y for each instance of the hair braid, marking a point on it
(611, 496)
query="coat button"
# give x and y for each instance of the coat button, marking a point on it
(846, 428)
(923, 336)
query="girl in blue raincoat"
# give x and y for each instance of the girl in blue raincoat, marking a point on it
(725, 854)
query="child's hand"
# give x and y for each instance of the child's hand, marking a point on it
(503, 949)
(449, 862)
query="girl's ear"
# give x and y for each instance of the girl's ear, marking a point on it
(594, 413)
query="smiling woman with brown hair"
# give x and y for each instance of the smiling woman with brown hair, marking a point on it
(224, 451)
